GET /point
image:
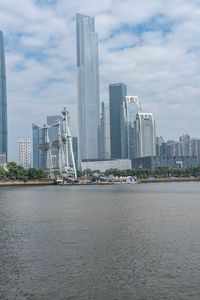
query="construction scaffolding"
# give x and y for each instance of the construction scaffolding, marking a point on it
(66, 169)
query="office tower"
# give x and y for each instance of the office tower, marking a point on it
(38, 154)
(75, 149)
(3, 103)
(105, 131)
(53, 135)
(160, 146)
(118, 136)
(133, 107)
(145, 135)
(88, 87)
(25, 153)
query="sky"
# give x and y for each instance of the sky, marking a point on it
(152, 46)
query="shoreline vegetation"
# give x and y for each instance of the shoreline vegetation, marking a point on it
(14, 175)
(87, 182)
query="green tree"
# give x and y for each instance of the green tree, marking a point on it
(35, 173)
(17, 172)
(3, 173)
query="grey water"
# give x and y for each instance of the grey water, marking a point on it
(100, 242)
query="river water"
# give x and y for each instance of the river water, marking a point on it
(100, 242)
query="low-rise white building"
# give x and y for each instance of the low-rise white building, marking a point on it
(103, 165)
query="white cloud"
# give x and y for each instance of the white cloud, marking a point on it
(152, 46)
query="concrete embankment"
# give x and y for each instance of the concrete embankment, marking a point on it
(161, 180)
(26, 183)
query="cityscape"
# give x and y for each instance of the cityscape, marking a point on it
(108, 131)
(99, 150)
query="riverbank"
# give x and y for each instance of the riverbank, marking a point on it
(84, 183)
(174, 179)
(26, 183)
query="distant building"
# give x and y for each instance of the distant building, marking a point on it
(145, 135)
(173, 162)
(118, 137)
(159, 146)
(38, 154)
(25, 153)
(133, 107)
(3, 159)
(75, 149)
(103, 165)
(53, 135)
(3, 103)
(185, 146)
(105, 131)
(88, 88)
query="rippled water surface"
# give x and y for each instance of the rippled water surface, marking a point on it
(100, 242)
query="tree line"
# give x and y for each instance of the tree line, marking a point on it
(16, 172)
(144, 173)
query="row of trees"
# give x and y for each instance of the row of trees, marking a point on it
(15, 172)
(143, 173)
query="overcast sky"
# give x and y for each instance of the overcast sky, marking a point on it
(152, 46)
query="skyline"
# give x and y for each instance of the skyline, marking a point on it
(152, 48)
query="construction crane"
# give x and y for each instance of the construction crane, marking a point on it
(66, 164)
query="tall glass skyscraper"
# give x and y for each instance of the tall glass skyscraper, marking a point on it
(105, 131)
(133, 107)
(3, 102)
(38, 154)
(88, 87)
(145, 134)
(118, 136)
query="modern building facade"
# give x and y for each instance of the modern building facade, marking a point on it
(118, 135)
(105, 131)
(3, 103)
(53, 135)
(106, 164)
(184, 147)
(145, 135)
(133, 107)
(87, 88)
(25, 153)
(173, 162)
(37, 154)
(75, 149)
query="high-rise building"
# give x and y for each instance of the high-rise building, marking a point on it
(25, 153)
(133, 107)
(3, 103)
(53, 135)
(145, 135)
(75, 149)
(105, 131)
(38, 154)
(88, 87)
(118, 135)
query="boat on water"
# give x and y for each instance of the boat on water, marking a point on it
(131, 181)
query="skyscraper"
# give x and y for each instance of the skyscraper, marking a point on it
(53, 135)
(75, 149)
(38, 154)
(118, 138)
(145, 135)
(88, 87)
(25, 153)
(105, 131)
(3, 102)
(133, 107)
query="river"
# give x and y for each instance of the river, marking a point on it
(111, 242)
